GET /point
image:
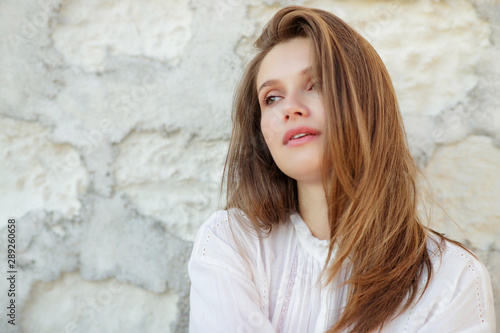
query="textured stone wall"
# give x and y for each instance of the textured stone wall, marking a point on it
(115, 123)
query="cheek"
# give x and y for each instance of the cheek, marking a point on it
(268, 135)
(272, 129)
(321, 111)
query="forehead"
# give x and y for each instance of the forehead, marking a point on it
(286, 59)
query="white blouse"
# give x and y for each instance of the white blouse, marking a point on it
(277, 292)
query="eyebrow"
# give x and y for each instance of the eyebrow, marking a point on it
(305, 71)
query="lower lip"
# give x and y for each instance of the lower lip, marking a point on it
(301, 141)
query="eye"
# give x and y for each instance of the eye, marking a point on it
(270, 100)
(313, 86)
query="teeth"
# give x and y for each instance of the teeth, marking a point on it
(296, 136)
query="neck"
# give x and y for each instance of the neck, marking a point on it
(313, 208)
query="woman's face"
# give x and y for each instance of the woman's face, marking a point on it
(291, 105)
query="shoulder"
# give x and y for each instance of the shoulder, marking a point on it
(225, 282)
(459, 289)
(225, 236)
(228, 237)
(455, 265)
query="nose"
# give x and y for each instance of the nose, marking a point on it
(294, 106)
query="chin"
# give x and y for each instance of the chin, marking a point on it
(301, 166)
(309, 175)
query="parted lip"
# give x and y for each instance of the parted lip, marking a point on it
(294, 131)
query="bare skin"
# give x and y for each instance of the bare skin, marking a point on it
(289, 100)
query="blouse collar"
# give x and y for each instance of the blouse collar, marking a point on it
(318, 248)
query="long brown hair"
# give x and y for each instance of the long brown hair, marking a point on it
(369, 175)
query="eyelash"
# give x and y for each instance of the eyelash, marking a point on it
(267, 98)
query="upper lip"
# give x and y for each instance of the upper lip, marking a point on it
(294, 131)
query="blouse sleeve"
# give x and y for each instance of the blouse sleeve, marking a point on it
(465, 297)
(223, 297)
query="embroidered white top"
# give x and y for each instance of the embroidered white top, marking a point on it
(277, 293)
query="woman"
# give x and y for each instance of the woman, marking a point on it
(320, 232)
